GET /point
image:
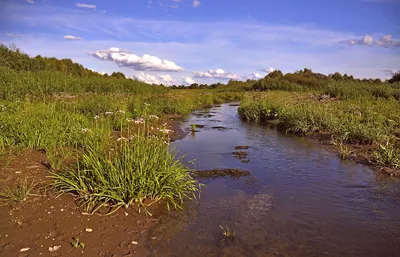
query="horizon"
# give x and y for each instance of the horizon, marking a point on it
(175, 42)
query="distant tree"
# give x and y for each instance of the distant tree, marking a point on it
(194, 86)
(395, 78)
(276, 74)
(337, 76)
(118, 75)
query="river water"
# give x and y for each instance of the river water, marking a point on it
(299, 200)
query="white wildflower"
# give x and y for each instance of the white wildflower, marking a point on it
(86, 130)
(153, 117)
(96, 117)
(129, 119)
(165, 131)
(120, 111)
(139, 121)
(146, 104)
(108, 113)
(2, 107)
(122, 139)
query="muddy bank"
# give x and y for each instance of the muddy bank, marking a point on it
(43, 222)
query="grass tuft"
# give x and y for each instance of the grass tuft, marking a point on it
(18, 194)
(139, 172)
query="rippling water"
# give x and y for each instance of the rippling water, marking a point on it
(300, 200)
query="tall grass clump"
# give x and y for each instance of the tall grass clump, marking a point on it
(138, 171)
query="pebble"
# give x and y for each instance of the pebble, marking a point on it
(134, 242)
(54, 248)
(88, 230)
(24, 249)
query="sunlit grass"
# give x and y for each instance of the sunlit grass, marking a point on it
(18, 193)
(140, 171)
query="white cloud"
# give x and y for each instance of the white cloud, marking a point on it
(254, 76)
(269, 70)
(216, 74)
(188, 81)
(89, 6)
(385, 41)
(127, 59)
(166, 80)
(196, 3)
(14, 35)
(30, 1)
(70, 37)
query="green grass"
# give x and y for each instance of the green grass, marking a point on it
(139, 172)
(388, 155)
(19, 193)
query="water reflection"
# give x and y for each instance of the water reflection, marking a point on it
(299, 201)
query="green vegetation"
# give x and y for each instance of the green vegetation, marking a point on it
(136, 169)
(107, 141)
(77, 244)
(372, 120)
(105, 137)
(388, 155)
(22, 190)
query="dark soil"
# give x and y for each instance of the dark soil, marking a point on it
(199, 126)
(234, 173)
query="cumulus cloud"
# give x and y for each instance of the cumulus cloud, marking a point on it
(70, 37)
(14, 35)
(188, 81)
(385, 41)
(216, 74)
(254, 76)
(196, 3)
(30, 1)
(89, 6)
(127, 59)
(150, 79)
(269, 70)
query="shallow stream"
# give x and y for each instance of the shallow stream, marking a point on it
(299, 200)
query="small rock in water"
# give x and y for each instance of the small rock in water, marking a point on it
(134, 242)
(24, 249)
(88, 230)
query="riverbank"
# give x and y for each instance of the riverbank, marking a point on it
(366, 132)
(50, 150)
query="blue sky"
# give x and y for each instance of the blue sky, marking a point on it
(182, 41)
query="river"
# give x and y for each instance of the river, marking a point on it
(300, 200)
